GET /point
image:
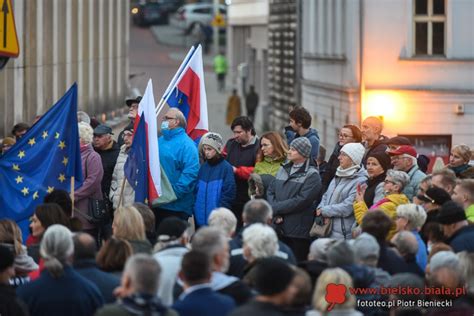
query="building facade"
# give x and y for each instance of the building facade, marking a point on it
(247, 38)
(62, 42)
(410, 62)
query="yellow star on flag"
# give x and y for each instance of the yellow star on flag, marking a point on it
(65, 160)
(61, 177)
(56, 136)
(50, 189)
(32, 141)
(25, 191)
(45, 134)
(35, 195)
(62, 144)
(21, 154)
(146, 201)
(16, 167)
(19, 179)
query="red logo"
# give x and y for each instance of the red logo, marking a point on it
(335, 294)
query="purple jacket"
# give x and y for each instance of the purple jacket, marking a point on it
(91, 187)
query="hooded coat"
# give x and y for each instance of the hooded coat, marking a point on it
(337, 203)
(292, 197)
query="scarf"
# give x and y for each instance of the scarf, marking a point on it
(348, 172)
(372, 184)
(143, 304)
(459, 169)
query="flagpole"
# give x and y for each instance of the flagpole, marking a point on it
(160, 105)
(121, 192)
(72, 194)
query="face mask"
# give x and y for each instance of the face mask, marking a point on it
(165, 125)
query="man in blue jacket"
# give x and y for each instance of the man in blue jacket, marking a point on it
(180, 161)
(198, 297)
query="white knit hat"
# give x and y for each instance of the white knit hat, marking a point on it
(212, 139)
(355, 151)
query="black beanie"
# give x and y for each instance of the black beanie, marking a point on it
(451, 213)
(6, 258)
(383, 159)
(272, 276)
(437, 196)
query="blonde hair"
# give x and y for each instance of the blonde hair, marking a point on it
(10, 233)
(464, 151)
(128, 224)
(329, 276)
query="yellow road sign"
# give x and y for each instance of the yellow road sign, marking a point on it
(8, 39)
(218, 21)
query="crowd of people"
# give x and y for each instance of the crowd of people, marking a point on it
(252, 226)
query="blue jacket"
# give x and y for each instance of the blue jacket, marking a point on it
(203, 302)
(215, 188)
(180, 161)
(462, 239)
(105, 282)
(313, 137)
(70, 295)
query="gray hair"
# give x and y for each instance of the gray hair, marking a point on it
(445, 259)
(406, 243)
(340, 253)
(415, 214)
(224, 219)
(467, 266)
(261, 239)
(319, 248)
(86, 133)
(366, 249)
(257, 211)
(83, 117)
(399, 177)
(180, 117)
(56, 249)
(210, 240)
(144, 273)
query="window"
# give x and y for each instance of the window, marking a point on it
(429, 27)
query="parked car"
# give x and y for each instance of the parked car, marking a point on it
(149, 12)
(191, 15)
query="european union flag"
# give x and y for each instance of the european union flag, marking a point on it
(43, 160)
(136, 166)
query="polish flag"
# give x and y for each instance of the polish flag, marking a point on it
(142, 167)
(188, 94)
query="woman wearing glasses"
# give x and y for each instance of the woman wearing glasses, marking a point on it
(270, 157)
(348, 134)
(393, 186)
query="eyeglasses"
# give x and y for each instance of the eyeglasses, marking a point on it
(389, 181)
(167, 118)
(345, 136)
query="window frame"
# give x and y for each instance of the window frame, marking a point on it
(429, 18)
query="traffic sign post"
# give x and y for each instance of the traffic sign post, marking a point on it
(218, 21)
(8, 38)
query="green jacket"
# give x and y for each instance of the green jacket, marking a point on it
(220, 64)
(268, 166)
(470, 213)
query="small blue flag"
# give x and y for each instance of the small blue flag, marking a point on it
(43, 160)
(136, 166)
